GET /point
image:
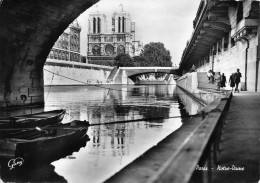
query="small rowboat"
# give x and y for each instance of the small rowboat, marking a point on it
(41, 144)
(32, 120)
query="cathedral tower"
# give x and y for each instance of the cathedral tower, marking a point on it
(108, 37)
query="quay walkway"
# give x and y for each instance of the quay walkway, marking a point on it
(239, 147)
(240, 141)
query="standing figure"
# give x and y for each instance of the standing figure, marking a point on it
(209, 74)
(232, 81)
(218, 80)
(212, 76)
(223, 81)
(237, 77)
(193, 68)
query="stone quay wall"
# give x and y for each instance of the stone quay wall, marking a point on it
(191, 84)
(74, 73)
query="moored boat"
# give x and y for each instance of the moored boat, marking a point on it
(40, 144)
(33, 120)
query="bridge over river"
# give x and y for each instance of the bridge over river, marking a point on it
(120, 75)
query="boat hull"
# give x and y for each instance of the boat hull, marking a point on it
(37, 119)
(58, 140)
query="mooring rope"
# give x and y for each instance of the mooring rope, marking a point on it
(142, 119)
(102, 102)
(99, 86)
(50, 86)
(112, 122)
(146, 94)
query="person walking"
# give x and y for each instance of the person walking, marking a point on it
(210, 76)
(232, 81)
(237, 77)
(223, 81)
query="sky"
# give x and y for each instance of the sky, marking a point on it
(166, 21)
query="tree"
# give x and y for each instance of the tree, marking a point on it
(139, 61)
(123, 60)
(156, 54)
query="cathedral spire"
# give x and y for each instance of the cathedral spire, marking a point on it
(96, 8)
(121, 6)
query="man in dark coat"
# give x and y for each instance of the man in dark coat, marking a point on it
(237, 77)
(232, 81)
(223, 81)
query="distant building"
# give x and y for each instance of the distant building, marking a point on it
(108, 37)
(67, 47)
(137, 48)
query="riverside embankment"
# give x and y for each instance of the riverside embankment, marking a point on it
(57, 72)
(176, 157)
(237, 158)
(217, 145)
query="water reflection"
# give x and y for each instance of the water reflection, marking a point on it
(113, 146)
(44, 173)
(192, 106)
(39, 169)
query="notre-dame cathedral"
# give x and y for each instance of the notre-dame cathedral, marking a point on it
(110, 36)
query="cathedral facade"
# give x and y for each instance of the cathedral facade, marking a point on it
(67, 47)
(108, 37)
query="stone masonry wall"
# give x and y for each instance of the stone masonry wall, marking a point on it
(234, 58)
(75, 73)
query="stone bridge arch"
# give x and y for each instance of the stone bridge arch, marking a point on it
(130, 71)
(28, 30)
(120, 76)
(134, 77)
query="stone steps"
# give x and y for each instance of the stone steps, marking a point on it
(203, 82)
(112, 75)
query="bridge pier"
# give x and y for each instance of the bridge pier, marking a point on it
(24, 87)
(28, 32)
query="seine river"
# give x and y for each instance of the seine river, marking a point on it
(110, 147)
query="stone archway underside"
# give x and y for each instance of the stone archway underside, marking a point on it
(28, 30)
(133, 77)
(131, 72)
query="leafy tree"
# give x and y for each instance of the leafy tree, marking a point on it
(123, 60)
(139, 61)
(156, 54)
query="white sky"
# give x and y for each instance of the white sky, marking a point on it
(166, 21)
